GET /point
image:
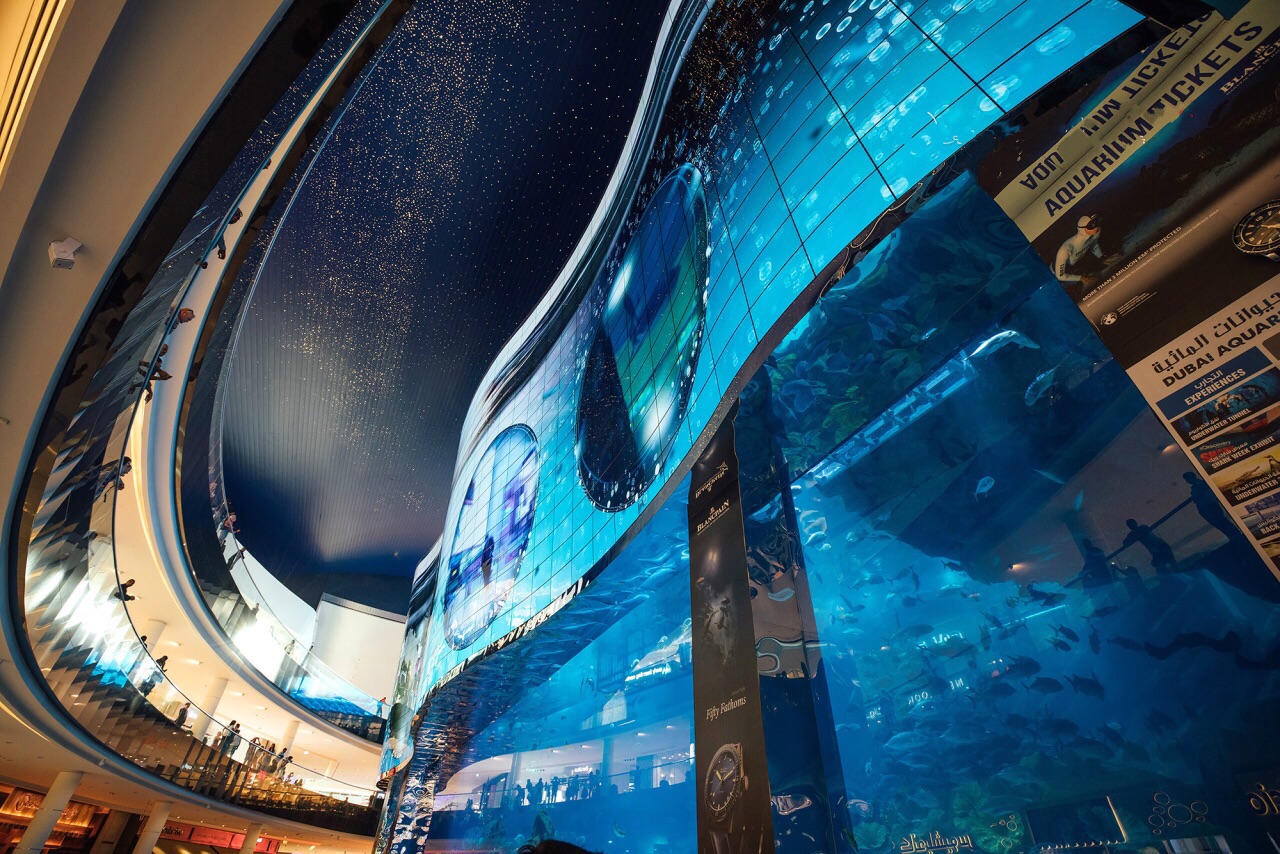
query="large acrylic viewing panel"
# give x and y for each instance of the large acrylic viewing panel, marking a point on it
(832, 110)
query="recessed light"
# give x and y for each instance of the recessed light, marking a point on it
(261, 708)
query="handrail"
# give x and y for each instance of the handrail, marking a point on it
(75, 621)
(309, 662)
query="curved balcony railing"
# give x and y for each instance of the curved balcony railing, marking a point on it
(66, 593)
(241, 609)
(271, 646)
(101, 671)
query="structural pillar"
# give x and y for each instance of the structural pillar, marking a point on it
(251, 839)
(290, 733)
(606, 760)
(151, 830)
(55, 801)
(153, 630)
(209, 707)
(331, 767)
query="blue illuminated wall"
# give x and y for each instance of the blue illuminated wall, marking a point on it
(801, 122)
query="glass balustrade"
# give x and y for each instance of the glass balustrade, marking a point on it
(68, 598)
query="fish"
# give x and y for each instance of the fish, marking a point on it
(983, 487)
(783, 595)
(1003, 338)
(906, 742)
(1040, 387)
(1043, 597)
(1125, 643)
(1000, 689)
(1015, 721)
(993, 620)
(1061, 726)
(1045, 685)
(1088, 686)
(1022, 667)
(816, 537)
(911, 601)
(915, 631)
(1059, 643)
(1050, 476)
(953, 647)
(1011, 629)
(1104, 611)
(1067, 633)
(984, 637)
(1095, 642)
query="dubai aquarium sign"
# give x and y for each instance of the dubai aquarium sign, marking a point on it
(935, 843)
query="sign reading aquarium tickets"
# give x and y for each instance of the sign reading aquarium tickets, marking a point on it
(1154, 196)
(734, 813)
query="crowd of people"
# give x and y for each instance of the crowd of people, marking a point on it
(575, 788)
(261, 756)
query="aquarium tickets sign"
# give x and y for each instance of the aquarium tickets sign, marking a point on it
(1138, 190)
(1168, 240)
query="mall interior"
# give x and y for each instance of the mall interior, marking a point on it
(640, 426)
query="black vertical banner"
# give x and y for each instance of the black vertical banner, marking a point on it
(734, 815)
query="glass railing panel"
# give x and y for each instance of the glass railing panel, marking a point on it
(72, 606)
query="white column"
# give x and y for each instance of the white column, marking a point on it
(209, 707)
(151, 830)
(153, 630)
(290, 733)
(54, 802)
(331, 767)
(251, 839)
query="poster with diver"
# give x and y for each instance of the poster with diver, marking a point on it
(731, 772)
(1147, 193)
(1154, 197)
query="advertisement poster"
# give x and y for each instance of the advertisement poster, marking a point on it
(1153, 198)
(734, 812)
(1140, 190)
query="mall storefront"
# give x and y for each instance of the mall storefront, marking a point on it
(961, 536)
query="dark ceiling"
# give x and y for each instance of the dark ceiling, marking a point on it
(445, 203)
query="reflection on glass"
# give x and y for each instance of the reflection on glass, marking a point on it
(600, 750)
(639, 372)
(492, 535)
(1034, 632)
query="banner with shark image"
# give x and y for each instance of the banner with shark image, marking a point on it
(1151, 195)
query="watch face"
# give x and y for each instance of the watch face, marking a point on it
(645, 342)
(724, 780)
(1259, 232)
